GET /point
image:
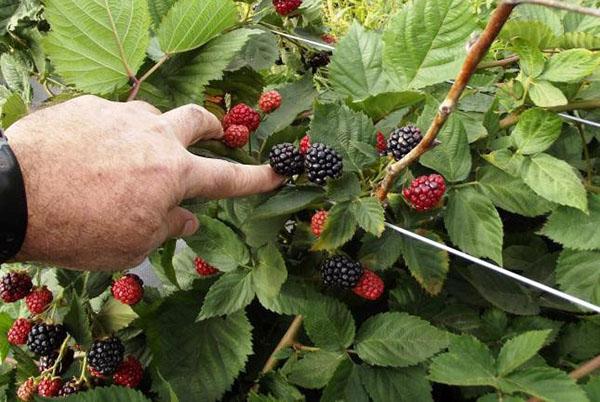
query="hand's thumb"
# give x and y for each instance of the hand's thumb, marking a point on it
(180, 223)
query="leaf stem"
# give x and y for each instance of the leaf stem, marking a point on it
(82, 376)
(137, 83)
(586, 153)
(513, 118)
(61, 354)
(476, 54)
(288, 339)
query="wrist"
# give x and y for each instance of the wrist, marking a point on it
(13, 203)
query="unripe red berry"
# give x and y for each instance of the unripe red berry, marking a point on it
(38, 300)
(242, 115)
(286, 7)
(27, 390)
(128, 289)
(305, 144)
(370, 286)
(49, 387)
(269, 101)
(317, 222)
(130, 373)
(381, 143)
(15, 286)
(425, 192)
(203, 268)
(236, 136)
(19, 331)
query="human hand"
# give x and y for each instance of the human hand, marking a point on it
(104, 179)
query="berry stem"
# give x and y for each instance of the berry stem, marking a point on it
(477, 53)
(82, 376)
(580, 372)
(61, 354)
(562, 5)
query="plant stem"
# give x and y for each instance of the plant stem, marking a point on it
(304, 348)
(563, 5)
(288, 339)
(586, 153)
(477, 53)
(82, 376)
(137, 83)
(584, 370)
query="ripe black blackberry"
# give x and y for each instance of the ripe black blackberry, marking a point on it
(15, 286)
(403, 140)
(322, 163)
(45, 338)
(71, 387)
(47, 362)
(286, 160)
(319, 60)
(341, 272)
(105, 355)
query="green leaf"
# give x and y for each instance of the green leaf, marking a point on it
(271, 273)
(575, 229)
(531, 59)
(571, 40)
(97, 46)
(577, 273)
(580, 341)
(534, 32)
(518, 350)
(502, 292)
(398, 340)
(7, 9)
(381, 253)
(346, 188)
(452, 158)
(259, 53)
(396, 385)
(295, 298)
(296, 97)
(162, 260)
(190, 24)
(592, 389)
(544, 94)
(105, 394)
(113, 316)
(329, 324)
(546, 383)
(380, 106)
(356, 69)
(571, 65)
(185, 77)
(289, 200)
(6, 322)
(474, 224)
(506, 161)
(343, 129)
(26, 367)
(315, 369)
(339, 227)
(555, 180)
(345, 385)
(12, 109)
(158, 9)
(424, 43)
(536, 131)
(510, 193)
(369, 215)
(429, 267)
(218, 245)
(77, 322)
(468, 362)
(15, 71)
(210, 354)
(230, 293)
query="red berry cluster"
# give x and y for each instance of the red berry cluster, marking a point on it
(305, 144)
(129, 289)
(130, 373)
(38, 300)
(17, 285)
(370, 286)
(381, 143)
(286, 7)
(238, 123)
(329, 39)
(203, 268)
(425, 192)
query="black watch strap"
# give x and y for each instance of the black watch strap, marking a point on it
(13, 203)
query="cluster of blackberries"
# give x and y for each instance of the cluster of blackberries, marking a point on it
(403, 140)
(320, 162)
(342, 272)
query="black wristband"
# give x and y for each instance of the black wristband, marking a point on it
(13, 203)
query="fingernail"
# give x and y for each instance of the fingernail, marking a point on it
(190, 228)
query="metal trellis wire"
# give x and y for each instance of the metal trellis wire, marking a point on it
(496, 268)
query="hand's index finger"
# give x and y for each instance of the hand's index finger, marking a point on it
(217, 179)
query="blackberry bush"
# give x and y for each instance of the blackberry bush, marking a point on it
(262, 304)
